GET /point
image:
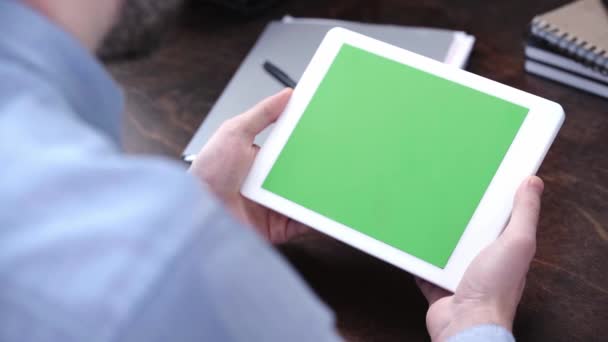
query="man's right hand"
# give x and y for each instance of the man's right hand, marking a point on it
(491, 288)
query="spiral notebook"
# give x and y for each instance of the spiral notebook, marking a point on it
(578, 30)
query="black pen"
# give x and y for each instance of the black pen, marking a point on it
(279, 75)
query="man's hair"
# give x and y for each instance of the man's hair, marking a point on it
(140, 27)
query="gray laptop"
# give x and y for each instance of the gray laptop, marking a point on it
(291, 43)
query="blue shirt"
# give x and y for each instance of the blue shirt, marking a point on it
(99, 246)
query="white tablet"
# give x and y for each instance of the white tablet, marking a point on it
(408, 159)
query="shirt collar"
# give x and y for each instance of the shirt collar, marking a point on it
(30, 39)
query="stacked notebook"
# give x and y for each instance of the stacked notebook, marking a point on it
(290, 44)
(570, 45)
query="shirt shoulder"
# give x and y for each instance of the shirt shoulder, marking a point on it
(54, 57)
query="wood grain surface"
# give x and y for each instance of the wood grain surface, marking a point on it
(566, 298)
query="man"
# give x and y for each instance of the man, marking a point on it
(98, 246)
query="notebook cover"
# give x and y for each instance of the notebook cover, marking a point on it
(578, 29)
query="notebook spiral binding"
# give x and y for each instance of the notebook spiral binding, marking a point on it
(580, 50)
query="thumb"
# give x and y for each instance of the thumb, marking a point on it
(431, 292)
(262, 115)
(520, 233)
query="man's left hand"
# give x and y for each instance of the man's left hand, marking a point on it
(226, 159)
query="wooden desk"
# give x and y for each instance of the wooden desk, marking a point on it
(567, 294)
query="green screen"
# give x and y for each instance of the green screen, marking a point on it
(396, 153)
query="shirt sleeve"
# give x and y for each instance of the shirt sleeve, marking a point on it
(484, 333)
(97, 246)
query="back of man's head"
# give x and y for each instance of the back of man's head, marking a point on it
(88, 20)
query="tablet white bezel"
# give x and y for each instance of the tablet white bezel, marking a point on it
(522, 159)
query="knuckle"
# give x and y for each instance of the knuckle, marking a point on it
(532, 203)
(264, 109)
(524, 244)
(230, 126)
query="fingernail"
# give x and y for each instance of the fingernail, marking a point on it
(536, 184)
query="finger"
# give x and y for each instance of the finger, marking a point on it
(262, 115)
(431, 292)
(296, 228)
(284, 229)
(521, 229)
